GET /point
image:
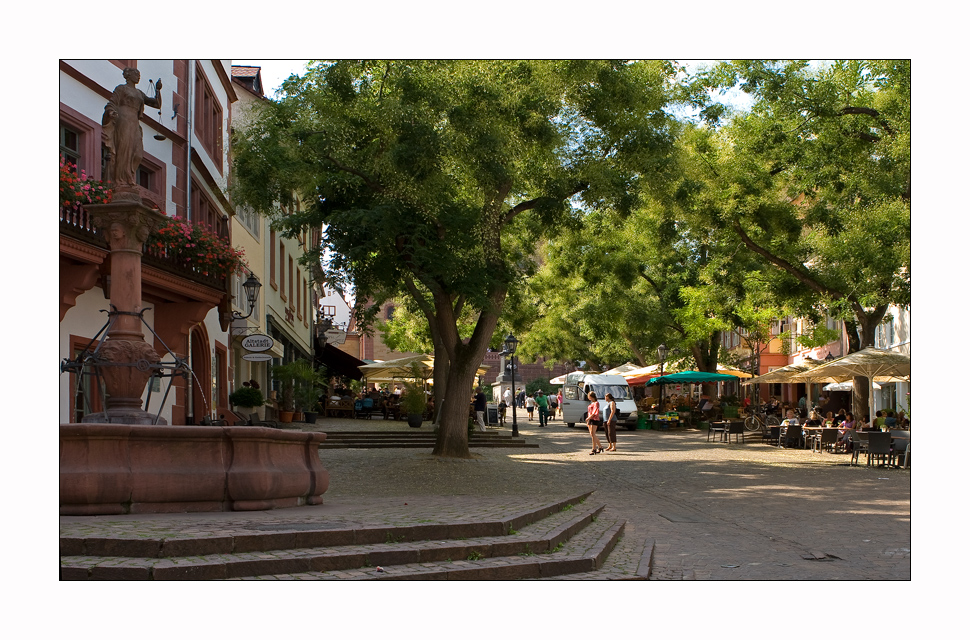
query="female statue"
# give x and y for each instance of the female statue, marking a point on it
(121, 132)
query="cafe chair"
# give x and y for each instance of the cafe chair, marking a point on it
(860, 442)
(715, 428)
(825, 439)
(792, 436)
(899, 449)
(880, 447)
(770, 435)
(735, 429)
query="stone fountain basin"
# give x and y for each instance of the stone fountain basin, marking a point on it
(109, 469)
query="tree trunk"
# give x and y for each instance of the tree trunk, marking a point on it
(452, 441)
(868, 322)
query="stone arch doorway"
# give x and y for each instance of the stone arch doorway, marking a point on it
(201, 381)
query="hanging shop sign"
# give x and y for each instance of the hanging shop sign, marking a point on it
(257, 342)
(257, 357)
(335, 336)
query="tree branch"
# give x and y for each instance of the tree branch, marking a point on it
(531, 204)
(781, 263)
(866, 111)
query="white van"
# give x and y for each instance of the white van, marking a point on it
(578, 384)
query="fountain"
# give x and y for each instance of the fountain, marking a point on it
(123, 460)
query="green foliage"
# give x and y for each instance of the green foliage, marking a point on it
(474, 555)
(815, 181)
(246, 397)
(309, 384)
(434, 180)
(540, 383)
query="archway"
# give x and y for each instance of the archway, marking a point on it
(201, 381)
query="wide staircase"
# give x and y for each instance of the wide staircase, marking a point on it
(566, 539)
(414, 439)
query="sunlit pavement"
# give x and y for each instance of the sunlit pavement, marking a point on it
(707, 510)
(713, 510)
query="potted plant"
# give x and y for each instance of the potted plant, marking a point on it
(309, 384)
(413, 403)
(285, 374)
(246, 397)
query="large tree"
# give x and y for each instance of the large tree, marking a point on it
(420, 170)
(815, 180)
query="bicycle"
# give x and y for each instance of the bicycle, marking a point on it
(758, 418)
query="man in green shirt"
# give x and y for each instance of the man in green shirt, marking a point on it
(543, 403)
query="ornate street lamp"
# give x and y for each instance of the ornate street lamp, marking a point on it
(662, 354)
(510, 344)
(251, 286)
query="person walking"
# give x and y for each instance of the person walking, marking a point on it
(530, 406)
(610, 423)
(593, 422)
(480, 409)
(507, 396)
(559, 402)
(520, 398)
(543, 403)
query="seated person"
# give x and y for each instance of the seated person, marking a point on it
(814, 420)
(902, 421)
(829, 419)
(890, 419)
(879, 421)
(790, 419)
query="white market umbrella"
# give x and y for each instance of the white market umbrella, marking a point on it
(874, 364)
(845, 386)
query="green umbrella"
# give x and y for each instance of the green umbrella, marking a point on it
(691, 377)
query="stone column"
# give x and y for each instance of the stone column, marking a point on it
(127, 357)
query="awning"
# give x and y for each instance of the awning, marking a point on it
(338, 362)
(400, 369)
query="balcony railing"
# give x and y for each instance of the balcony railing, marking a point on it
(76, 222)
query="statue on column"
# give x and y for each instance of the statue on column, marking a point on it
(121, 131)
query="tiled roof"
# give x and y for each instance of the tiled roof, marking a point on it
(245, 72)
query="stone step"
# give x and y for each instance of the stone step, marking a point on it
(255, 537)
(558, 524)
(391, 444)
(585, 552)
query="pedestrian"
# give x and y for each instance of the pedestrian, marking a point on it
(802, 406)
(520, 398)
(530, 405)
(593, 422)
(610, 423)
(543, 403)
(502, 406)
(507, 396)
(480, 409)
(559, 402)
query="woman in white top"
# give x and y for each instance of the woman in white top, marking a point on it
(530, 405)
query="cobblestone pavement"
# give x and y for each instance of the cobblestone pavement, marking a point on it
(713, 511)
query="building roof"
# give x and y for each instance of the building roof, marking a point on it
(239, 71)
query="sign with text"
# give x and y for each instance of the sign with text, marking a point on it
(257, 357)
(257, 342)
(335, 336)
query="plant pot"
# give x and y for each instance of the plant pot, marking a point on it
(310, 416)
(415, 420)
(286, 416)
(297, 416)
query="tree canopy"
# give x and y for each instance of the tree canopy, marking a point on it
(435, 178)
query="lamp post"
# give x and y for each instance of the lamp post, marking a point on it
(510, 344)
(662, 354)
(251, 286)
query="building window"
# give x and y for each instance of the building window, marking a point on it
(249, 219)
(208, 117)
(282, 273)
(299, 291)
(289, 277)
(204, 211)
(328, 311)
(272, 258)
(71, 147)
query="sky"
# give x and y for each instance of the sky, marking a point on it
(275, 71)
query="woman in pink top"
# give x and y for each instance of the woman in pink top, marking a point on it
(593, 421)
(559, 403)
